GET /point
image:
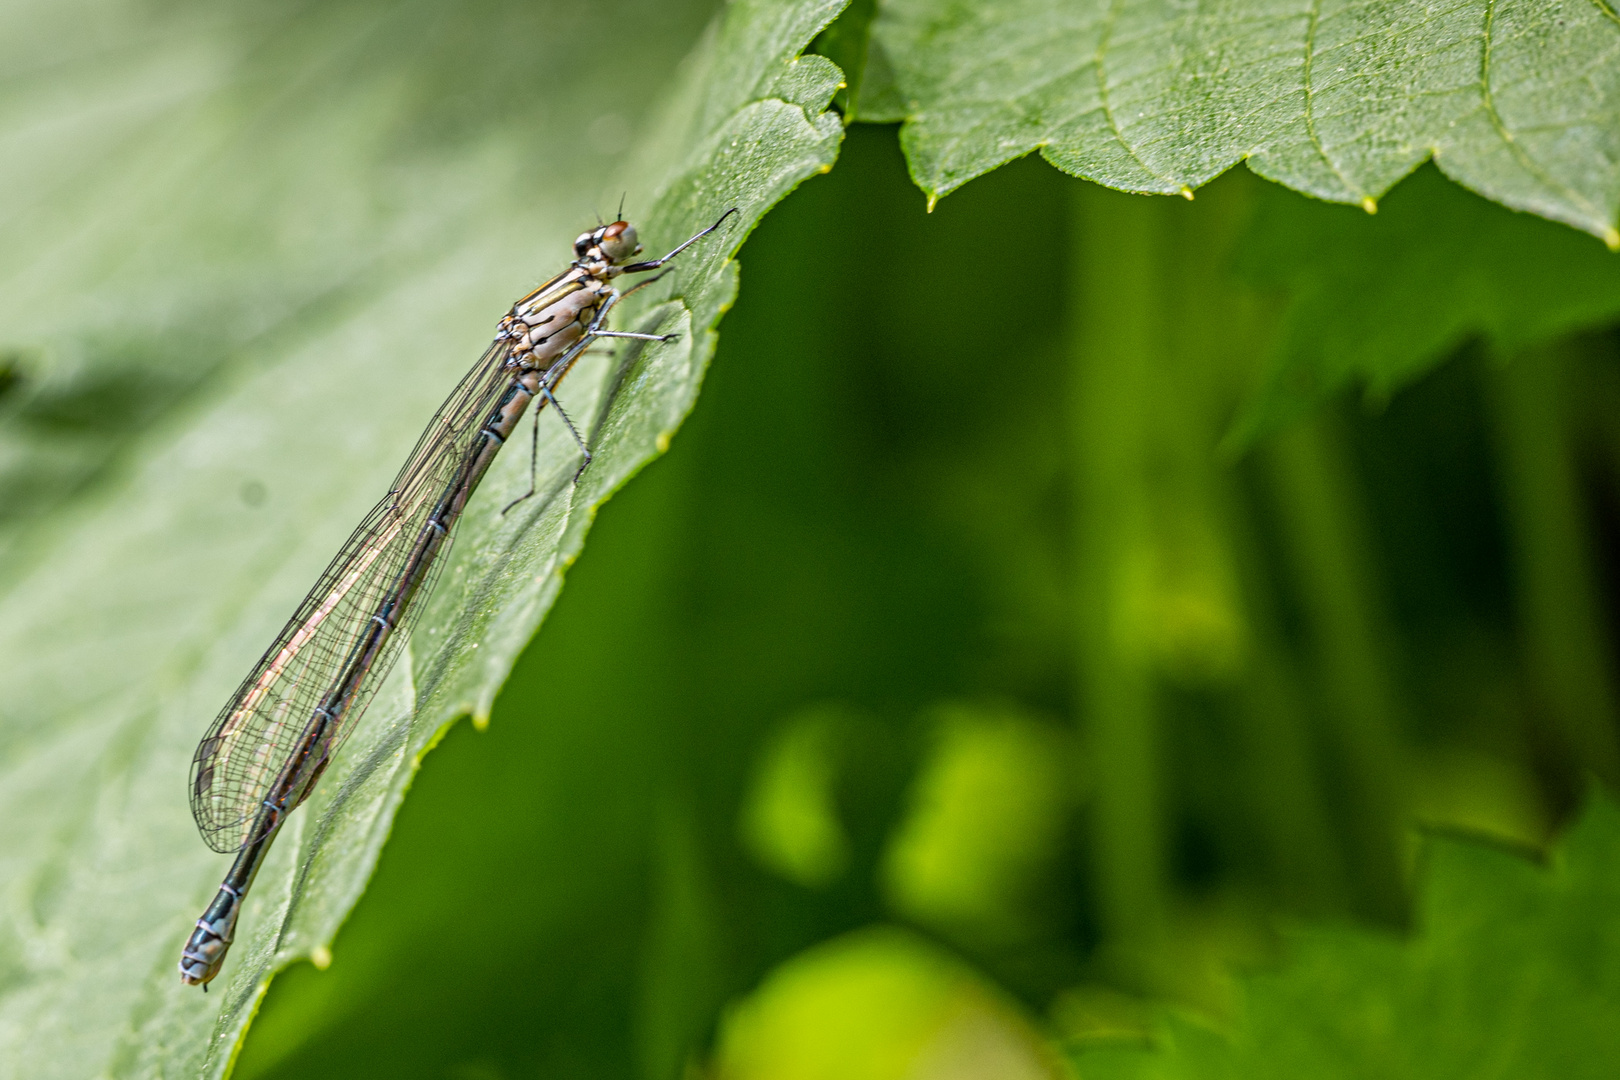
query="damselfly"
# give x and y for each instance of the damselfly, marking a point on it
(264, 753)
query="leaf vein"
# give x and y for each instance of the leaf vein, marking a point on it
(1517, 152)
(1103, 40)
(1307, 77)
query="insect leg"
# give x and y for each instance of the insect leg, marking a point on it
(637, 337)
(545, 393)
(653, 264)
(542, 396)
(534, 457)
(595, 329)
(638, 286)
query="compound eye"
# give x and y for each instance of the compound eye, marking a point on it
(619, 241)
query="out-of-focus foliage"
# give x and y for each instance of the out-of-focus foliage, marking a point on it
(878, 1005)
(1378, 303)
(1514, 971)
(986, 809)
(790, 820)
(1054, 596)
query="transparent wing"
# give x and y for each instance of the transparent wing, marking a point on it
(247, 749)
(461, 415)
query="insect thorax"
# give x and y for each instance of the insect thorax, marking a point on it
(546, 325)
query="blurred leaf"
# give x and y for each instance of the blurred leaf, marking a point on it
(1517, 102)
(790, 819)
(1096, 1012)
(878, 1004)
(1515, 972)
(332, 203)
(984, 823)
(1381, 300)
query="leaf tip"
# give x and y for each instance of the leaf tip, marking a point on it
(480, 721)
(933, 201)
(1369, 204)
(321, 958)
(1186, 193)
(1611, 237)
(662, 442)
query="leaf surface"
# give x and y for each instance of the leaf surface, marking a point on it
(326, 209)
(1378, 302)
(1519, 101)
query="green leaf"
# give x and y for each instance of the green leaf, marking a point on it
(1515, 972)
(325, 210)
(1520, 101)
(1380, 301)
(845, 43)
(790, 821)
(986, 814)
(879, 1004)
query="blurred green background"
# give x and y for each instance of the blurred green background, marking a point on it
(1052, 600)
(958, 670)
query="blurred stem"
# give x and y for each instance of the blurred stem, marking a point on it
(1117, 310)
(1172, 589)
(1564, 636)
(1327, 538)
(1219, 332)
(1303, 856)
(681, 986)
(683, 950)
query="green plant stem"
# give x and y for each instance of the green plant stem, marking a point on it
(1216, 336)
(682, 982)
(1565, 640)
(1118, 310)
(1328, 545)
